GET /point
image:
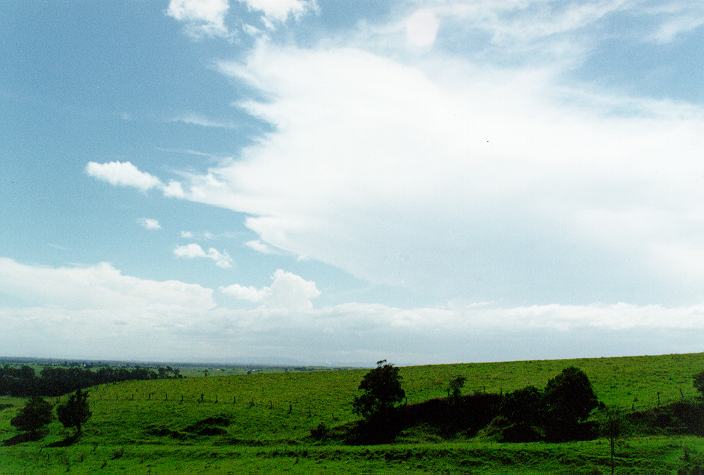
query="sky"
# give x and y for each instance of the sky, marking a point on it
(333, 182)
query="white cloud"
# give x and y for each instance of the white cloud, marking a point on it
(202, 18)
(203, 121)
(173, 190)
(100, 286)
(287, 291)
(678, 26)
(186, 234)
(424, 170)
(260, 247)
(422, 28)
(150, 224)
(279, 11)
(122, 174)
(193, 251)
(241, 292)
(98, 312)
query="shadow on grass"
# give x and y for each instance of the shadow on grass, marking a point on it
(70, 440)
(24, 437)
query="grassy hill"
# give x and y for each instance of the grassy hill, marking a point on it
(262, 421)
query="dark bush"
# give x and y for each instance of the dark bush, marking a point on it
(464, 414)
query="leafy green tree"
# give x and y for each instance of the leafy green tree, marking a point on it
(75, 412)
(382, 390)
(33, 417)
(569, 399)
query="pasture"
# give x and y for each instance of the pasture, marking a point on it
(262, 422)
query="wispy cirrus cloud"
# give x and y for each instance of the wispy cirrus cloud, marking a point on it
(203, 121)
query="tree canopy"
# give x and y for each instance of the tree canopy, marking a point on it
(382, 391)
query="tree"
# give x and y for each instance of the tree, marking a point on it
(454, 388)
(377, 404)
(382, 390)
(569, 399)
(75, 412)
(699, 383)
(613, 427)
(34, 416)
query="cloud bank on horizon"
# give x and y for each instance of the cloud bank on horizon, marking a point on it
(472, 152)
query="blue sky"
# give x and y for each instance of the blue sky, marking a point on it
(348, 181)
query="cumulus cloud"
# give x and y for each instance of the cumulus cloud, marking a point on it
(97, 311)
(150, 224)
(287, 291)
(100, 286)
(195, 251)
(279, 11)
(202, 18)
(122, 174)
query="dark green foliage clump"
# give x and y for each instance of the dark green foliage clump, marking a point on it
(75, 412)
(382, 392)
(454, 388)
(568, 400)
(449, 417)
(33, 417)
(522, 413)
(677, 418)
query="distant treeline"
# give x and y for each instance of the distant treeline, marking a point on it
(55, 381)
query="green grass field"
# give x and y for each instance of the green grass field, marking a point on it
(143, 426)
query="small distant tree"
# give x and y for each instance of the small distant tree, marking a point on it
(569, 399)
(613, 427)
(382, 391)
(75, 412)
(454, 388)
(699, 383)
(33, 417)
